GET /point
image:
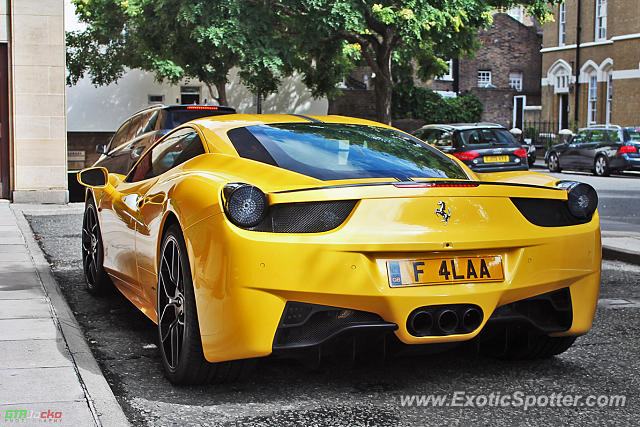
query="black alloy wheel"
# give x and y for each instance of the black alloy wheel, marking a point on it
(92, 252)
(178, 329)
(171, 304)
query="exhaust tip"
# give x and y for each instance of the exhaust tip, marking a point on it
(448, 321)
(421, 322)
(471, 319)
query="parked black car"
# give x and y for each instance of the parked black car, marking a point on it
(484, 147)
(601, 149)
(143, 128)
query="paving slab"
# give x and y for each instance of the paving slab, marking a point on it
(24, 308)
(11, 257)
(27, 329)
(74, 414)
(34, 354)
(42, 385)
(12, 249)
(11, 267)
(19, 280)
(25, 293)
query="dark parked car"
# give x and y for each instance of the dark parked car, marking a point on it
(484, 147)
(146, 126)
(601, 149)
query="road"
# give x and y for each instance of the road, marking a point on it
(281, 392)
(619, 197)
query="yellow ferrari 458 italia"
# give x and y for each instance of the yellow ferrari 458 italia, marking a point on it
(243, 236)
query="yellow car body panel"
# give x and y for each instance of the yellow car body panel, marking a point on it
(242, 279)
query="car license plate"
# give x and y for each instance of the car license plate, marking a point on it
(496, 159)
(445, 271)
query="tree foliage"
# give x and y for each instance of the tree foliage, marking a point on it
(177, 39)
(269, 39)
(416, 102)
(417, 36)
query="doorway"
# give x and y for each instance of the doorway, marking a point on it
(518, 111)
(4, 121)
(563, 111)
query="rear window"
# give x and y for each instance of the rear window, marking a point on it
(634, 135)
(487, 137)
(177, 117)
(330, 151)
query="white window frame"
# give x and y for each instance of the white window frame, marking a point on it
(609, 82)
(449, 76)
(592, 100)
(601, 20)
(515, 80)
(561, 85)
(562, 24)
(484, 78)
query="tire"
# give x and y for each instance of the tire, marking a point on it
(96, 278)
(178, 329)
(520, 345)
(601, 166)
(531, 162)
(554, 163)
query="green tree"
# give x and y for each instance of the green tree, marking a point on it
(329, 37)
(177, 39)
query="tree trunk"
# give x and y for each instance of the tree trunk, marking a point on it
(222, 93)
(383, 87)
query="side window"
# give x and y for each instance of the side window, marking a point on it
(580, 137)
(137, 124)
(119, 136)
(151, 123)
(614, 135)
(595, 136)
(172, 151)
(443, 140)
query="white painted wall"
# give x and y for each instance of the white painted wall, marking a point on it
(104, 108)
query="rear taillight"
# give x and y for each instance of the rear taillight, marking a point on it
(520, 152)
(201, 107)
(628, 149)
(467, 155)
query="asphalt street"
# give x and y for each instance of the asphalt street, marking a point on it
(281, 392)
(619, 197)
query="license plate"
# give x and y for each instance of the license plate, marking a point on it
(445, 271)
(496, 159)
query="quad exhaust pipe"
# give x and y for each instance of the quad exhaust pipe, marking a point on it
(439, 320)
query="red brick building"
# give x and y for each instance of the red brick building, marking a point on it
(505, 74)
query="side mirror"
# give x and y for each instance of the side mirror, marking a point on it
(94, 177)
(101, 149)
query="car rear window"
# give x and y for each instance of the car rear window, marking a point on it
(177, 117)
(487, 137)
(634, 135)
(330, 151)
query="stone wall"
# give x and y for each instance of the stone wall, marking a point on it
(37, 101)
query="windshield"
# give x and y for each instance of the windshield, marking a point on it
(487, 137)
(330, 151)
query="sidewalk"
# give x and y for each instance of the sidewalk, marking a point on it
(623, 246)
(47, 372)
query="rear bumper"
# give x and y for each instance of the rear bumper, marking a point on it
(243, 285)
(482, 169)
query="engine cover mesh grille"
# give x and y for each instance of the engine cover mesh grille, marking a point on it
(306, 217)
